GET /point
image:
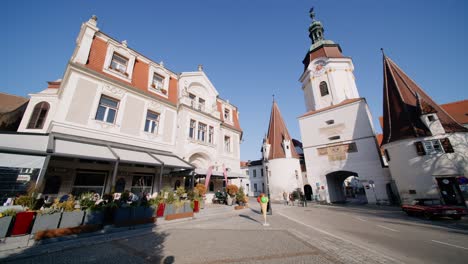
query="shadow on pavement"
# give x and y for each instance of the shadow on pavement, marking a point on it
(137, 248)
(250, 218)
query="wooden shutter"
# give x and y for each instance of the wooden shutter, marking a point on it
(446, 145)
(420, 148)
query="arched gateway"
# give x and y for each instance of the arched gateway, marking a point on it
(339, 191)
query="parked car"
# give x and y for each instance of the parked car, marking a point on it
(432, 208)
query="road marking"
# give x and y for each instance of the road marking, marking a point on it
(361, 219)
(388, 228)
(340, 238)
(447, 244)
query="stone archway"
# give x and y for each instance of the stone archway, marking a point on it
(308, 192)
(200, 160)
(336, 189)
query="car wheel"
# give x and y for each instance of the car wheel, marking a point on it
(427, 216)
(456, 217)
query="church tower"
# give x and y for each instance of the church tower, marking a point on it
(337, 132)
(328, 77)
(280, 159)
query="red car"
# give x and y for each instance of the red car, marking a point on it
(432, 208)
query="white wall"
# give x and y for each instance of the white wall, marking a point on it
(283, 177)
(413, 172)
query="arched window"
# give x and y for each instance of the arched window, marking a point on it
(39, 115)
(323, 88)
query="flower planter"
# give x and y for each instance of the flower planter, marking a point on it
(196, 206)
(142, 212)
(46, 222)
(178, 216)
(23, 221)
(122, 215)
(202, 204)
(187, 207)
(160, 211)
(5, 223)
(94, 218)
(72, 219)
(169, 209)
(229, 200)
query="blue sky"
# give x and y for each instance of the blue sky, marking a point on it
(249, 49)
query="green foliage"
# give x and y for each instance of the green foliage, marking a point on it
(180, 191)
(67, 206)
(178, 204)
(8, 212)
(156, 201)
(87, 200)
(171, 198)
(25, 201)
(240, 196)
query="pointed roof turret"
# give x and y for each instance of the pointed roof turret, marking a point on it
(277, 132)
(404, 103)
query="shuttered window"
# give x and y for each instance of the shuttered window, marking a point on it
(38, 116)
(419, 148)
(446, 145)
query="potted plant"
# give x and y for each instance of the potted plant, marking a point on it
(201, 188)
(71, 216)
(6, 218)
(240, 197)
(169, 208)
(46, 219)
(93, 208)
(23, 221)
(159, 205)
(232, 190)
(123, 213)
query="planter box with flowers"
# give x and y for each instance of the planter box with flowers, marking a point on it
(46, 219)
(6, 218)
(72, 219)
(23, 221)
(232, 190)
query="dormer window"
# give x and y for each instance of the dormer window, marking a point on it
(119, 63)
(431, 118)
(227, 114)
(38, 116)
(158, 82)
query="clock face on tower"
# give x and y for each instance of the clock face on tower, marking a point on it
(319, 68)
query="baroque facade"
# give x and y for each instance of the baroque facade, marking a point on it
(118, 120)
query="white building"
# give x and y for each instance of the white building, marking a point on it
(255, 184)
(337, 133)
(118, 120)
(426, 148)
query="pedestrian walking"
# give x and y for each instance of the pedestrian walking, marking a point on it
(285, 197)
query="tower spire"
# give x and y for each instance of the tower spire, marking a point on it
(315, 29)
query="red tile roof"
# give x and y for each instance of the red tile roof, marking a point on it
(344, 102)
(140, 74)
(457, 110)
(277, 131)
(404, 103)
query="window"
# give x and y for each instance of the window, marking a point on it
(211, 135)
(87, 181)
(323, 89)
(192, 99)
(211, 187)
(227, 144)
(255, 187)
(119, 63)
(158, 82)
(261, 172)
(227, 114)
(141, 184)
(38, 115)
(107, 109)
(430, 118)
(247, 172)
(297, 175)
(263, 187)
(255, 173)
(192, 128)
(432, 147)
(152, 122)
(201, 131)
(201, 104)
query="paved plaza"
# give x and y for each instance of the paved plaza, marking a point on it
(313, 234)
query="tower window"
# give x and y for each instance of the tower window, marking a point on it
(431, 118)
(323, 89)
